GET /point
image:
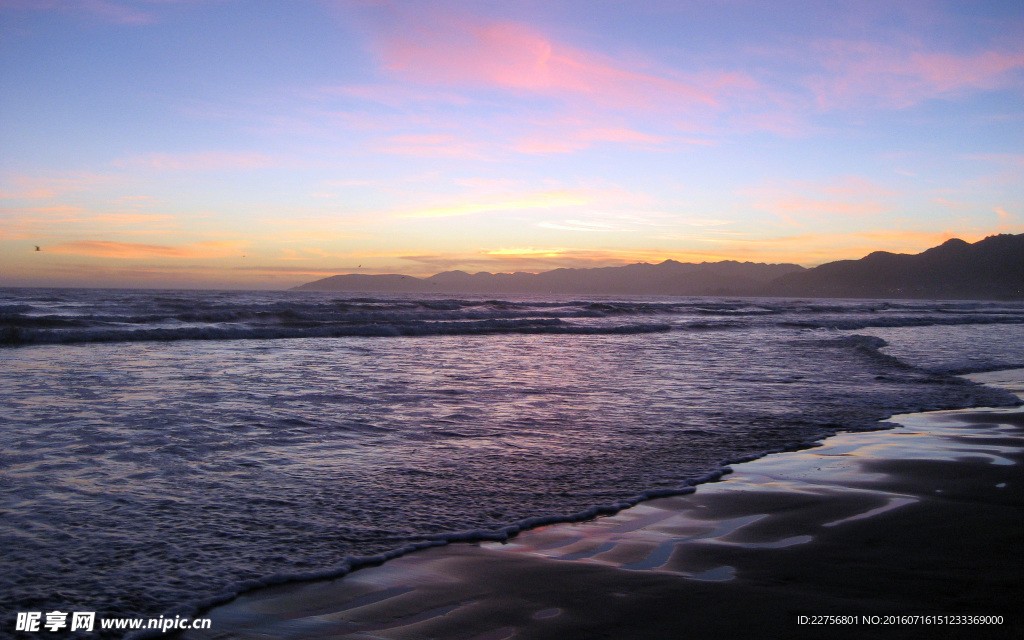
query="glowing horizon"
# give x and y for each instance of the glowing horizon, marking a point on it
(221, 144)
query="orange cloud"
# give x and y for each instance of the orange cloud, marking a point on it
(51, 214)
(64, 220)
(578, 225)
(530, 259)
(124, 250)
(45, 187)
(129, 218)
(801, 205)
(309, 253)
(529, 252)
(955, 205)
(816, 248)
(851, 196)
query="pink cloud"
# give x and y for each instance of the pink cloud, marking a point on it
(552, 199)
(460, 51)
(395, 95)
(428, 146)
(571, 135)
(201, 161)
(784, 122)
(891, 76)
(113, 12)
(424, 138)
(621, 134)
(1000, 158)
(543, 145)
(101, 9)
(947, 72)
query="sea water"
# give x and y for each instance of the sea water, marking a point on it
(161, 448)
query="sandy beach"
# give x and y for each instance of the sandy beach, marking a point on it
(921, 520)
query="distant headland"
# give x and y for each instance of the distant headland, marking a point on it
(992, 268)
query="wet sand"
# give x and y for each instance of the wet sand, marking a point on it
(923, 519)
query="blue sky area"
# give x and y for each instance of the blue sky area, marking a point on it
(262, 144)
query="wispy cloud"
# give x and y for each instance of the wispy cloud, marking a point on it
(795, 202)
(1001, 212)
(458, 50)
(309, 253)
(571, 136)
(859, 73)
(201, 161)
(125, 250)
(397, 95)
(529, 259)
(578, 225)
(1012, 159)
(115, 12)
(488, 184)
(517, 202)
(46, 187)
(482, 132)
(124, 12)
(429, 146)
(818, 247)
(63, 221)
(528, 252)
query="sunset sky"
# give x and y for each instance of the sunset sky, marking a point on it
(267, 143)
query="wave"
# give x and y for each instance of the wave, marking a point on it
(78, 316)
(501, 534)
(904, 321)
(19, 336)
(363, 449)
(869, 346)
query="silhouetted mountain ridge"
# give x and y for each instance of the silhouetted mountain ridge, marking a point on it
(668, 278)
(990, 268)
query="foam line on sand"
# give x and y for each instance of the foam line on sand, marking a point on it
(925, 518)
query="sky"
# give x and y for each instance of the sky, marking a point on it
(261, 144)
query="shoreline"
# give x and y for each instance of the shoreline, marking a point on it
(924, 518)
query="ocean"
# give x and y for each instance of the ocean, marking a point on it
(164, 449)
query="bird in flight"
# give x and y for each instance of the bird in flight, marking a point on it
(37, 247)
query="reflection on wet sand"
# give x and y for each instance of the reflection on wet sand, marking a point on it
(859, 523)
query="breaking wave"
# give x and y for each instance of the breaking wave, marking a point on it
(84, 316)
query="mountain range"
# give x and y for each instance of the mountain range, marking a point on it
(992, 268)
